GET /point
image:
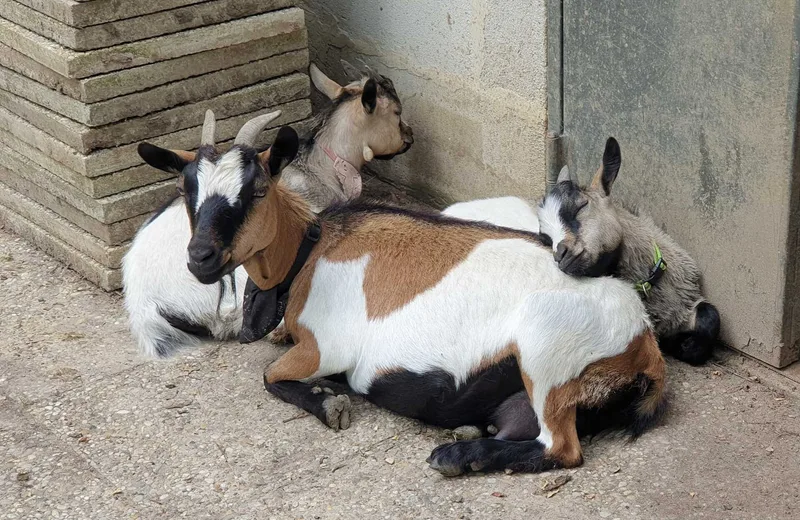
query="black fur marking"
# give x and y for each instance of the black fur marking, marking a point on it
(161, 158)
(457, 458)
(184, 325)
(612, 160)
(283, 150)
(344, 214)
(571, 201)
(433, 397)
(369, 96)
(697, 346)
(607, 263)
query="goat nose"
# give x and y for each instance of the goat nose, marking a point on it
(200, 253)
(561, 250)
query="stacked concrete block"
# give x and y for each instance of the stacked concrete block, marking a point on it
(82, 82)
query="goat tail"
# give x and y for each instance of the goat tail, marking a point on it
(160, 335)
(651, 402)
(697, 345)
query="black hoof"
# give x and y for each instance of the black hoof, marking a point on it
(457, 458)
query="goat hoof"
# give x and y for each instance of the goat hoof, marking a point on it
(337, 412)
(457, 458)
(280, 336)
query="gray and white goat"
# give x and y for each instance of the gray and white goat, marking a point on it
(594, 235)
(168, 307)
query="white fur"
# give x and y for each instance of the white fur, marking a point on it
(550, 222)
(155, 276)
(506, 291)
(510, 212)
(223, 178)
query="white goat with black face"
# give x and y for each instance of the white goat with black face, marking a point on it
(168, 307)
(594, 235)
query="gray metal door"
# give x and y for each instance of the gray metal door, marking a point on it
(702, 97)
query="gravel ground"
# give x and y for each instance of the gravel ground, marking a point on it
(89, 429)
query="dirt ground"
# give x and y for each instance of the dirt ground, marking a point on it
(90, 430)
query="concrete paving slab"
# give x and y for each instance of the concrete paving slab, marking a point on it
(112, 234)
(76, 64)
(142, 174)
(108, 279)
(137, 79)
(156, 99)
(95, 187)
(81, 14)
(103, 162)
(107, 210)
(138, 28)
(62, 229)
(82, 139)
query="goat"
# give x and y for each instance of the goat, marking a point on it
(444, 320)
(168, 308)
(594, 235)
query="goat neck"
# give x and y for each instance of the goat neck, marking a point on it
(640, 233)
(284, 225)
(340, 137)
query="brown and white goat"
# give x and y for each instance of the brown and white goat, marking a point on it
(433, 318)
(168, 308)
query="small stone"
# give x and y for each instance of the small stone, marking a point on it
(467, 433)
(390, 461)
(770, 450)
(23, 476)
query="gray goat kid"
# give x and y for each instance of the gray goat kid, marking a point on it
(168, 308)
(364, 122)
(594, 235)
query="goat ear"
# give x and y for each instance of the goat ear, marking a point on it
(351, 71)
(607, 174)
(369, 97)
(564, 176)
(323, 83)
(173, 161)
(282, 152)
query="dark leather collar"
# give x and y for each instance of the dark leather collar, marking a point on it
(263, 310)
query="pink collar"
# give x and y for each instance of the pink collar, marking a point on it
(348, 175)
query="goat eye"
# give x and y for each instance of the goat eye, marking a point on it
(581, 205)
(259, 193)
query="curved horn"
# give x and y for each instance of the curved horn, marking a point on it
(248, 133)
(209, 125)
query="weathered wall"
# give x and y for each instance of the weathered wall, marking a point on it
(472, 80)
(702, 97)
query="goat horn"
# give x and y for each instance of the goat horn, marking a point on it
(248, 133)
(209, 126)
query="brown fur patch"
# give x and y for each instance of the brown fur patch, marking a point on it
(407, 256)
(596, 384)
(559, 416)
(186, 156)
(299, 362)
(274, 229)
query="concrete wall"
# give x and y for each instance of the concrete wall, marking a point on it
(472, 80)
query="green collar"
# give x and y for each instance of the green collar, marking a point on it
(656, 272)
